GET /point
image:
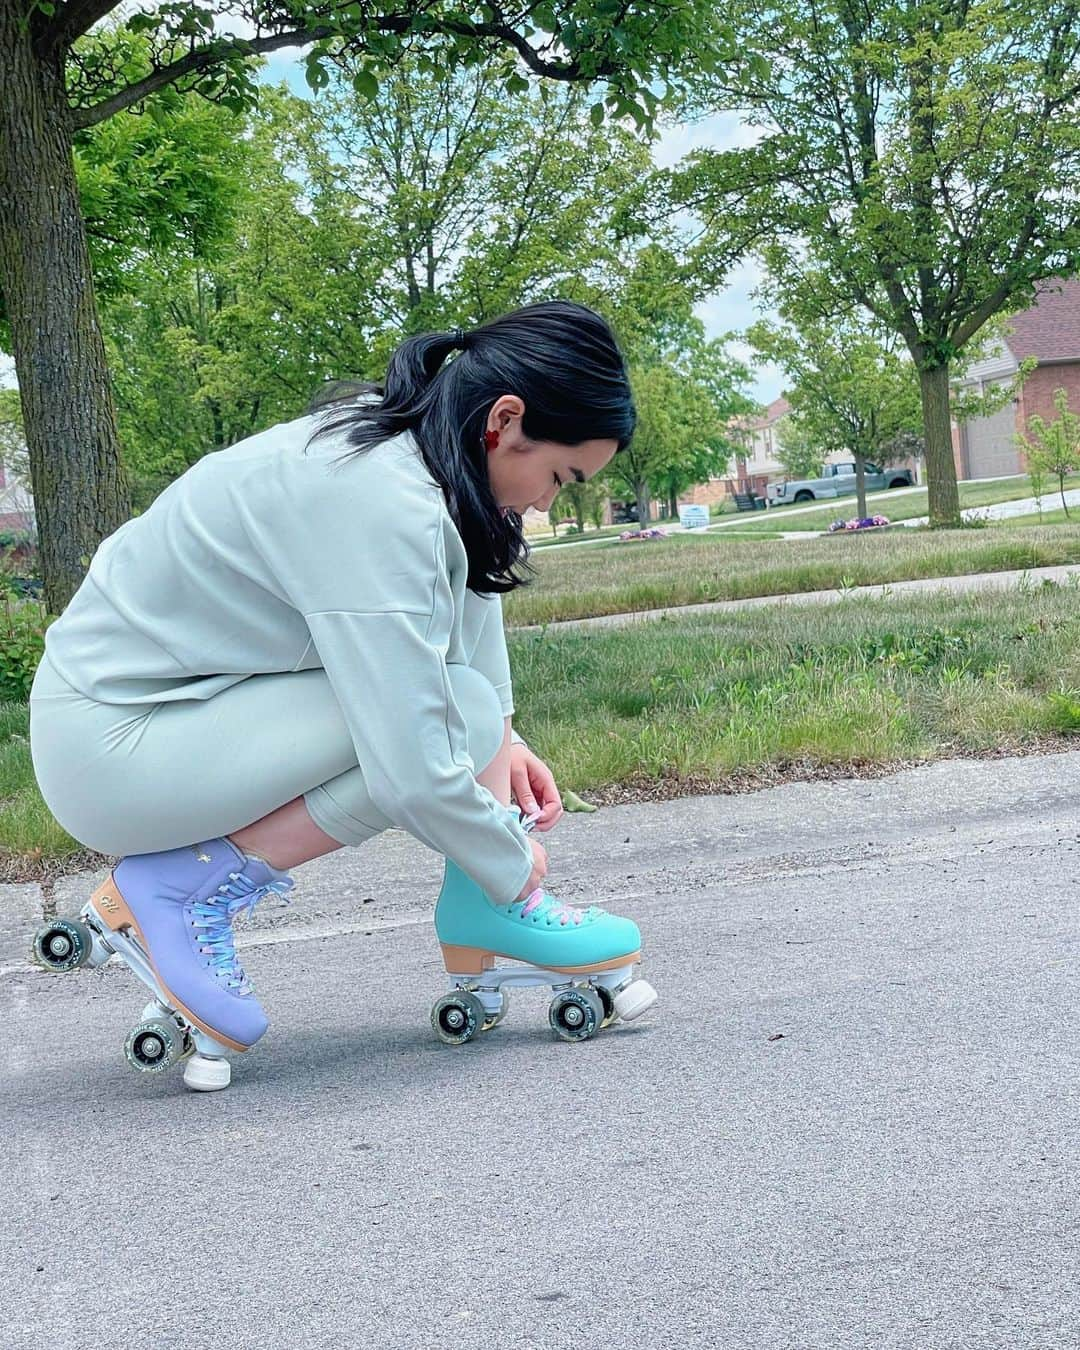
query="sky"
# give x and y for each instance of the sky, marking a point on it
(730, 310)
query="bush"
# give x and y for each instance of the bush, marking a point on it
(22, 642)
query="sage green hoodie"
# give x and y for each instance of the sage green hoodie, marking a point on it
(265, 557)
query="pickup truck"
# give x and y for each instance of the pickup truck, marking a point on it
(837, 480)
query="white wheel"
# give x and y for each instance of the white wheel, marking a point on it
(635, 999)
(202, 1073)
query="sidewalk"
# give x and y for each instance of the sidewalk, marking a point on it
(975, 581)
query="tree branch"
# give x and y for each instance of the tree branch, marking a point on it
(197, 59)
(214, 53)
(71, 21)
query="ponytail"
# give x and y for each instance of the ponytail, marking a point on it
(561, 359)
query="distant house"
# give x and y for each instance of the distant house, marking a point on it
(16, 504)
(985, 447)
(755, 467)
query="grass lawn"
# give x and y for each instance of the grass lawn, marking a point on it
(907, 506)
(687, 569)
(1048, 517)
(706, 702)
(863, 681)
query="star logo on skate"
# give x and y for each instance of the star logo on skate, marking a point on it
(202, 857)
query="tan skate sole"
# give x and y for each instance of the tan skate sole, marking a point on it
(113, 910)
(475, 960)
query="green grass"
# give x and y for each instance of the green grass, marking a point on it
(1048, 517)
(712, 697)
(688, 569)
(862, 681)
(906, 507)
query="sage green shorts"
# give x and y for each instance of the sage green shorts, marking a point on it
(139, 778)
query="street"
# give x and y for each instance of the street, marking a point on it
(851, 1121)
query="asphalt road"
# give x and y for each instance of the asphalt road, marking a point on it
(851, 1121)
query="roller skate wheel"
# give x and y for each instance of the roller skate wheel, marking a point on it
(64, 944)
(204, 1073)
(457, 1017)
(154, 1045)
(576, 1014)
(607, 998)
(634, 1000)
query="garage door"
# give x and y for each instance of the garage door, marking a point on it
(991, 448)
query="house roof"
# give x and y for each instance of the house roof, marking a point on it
(773, 413)
(1050, 329)
(778, 408)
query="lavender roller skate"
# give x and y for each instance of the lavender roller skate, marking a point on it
(169, 917)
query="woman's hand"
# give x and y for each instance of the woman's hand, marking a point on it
(539, 869)
(532, 785)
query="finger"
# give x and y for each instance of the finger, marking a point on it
(523, 792)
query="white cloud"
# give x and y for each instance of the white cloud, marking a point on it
(7, 373)
(724, 131)
(732, 311)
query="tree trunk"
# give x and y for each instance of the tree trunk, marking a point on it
(80, 491)
(942, 491)
(641, 495)
(860, 487)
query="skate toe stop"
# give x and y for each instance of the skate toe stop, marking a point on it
(634, 1000)
(204, 1074)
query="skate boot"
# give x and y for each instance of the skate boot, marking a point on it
(169, 917)
(586, 955)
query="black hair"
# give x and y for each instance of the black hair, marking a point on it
(560, 358)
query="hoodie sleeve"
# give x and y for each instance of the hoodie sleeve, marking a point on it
(492, 660)
(386, 662)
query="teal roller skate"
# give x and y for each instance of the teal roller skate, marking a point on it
(586, 955)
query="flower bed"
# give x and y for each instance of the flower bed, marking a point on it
(863, 523)
(653, 533)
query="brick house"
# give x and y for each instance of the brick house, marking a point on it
(755, 467)
(985, 447)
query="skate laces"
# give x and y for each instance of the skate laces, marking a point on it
(539, 905)
(215, 916)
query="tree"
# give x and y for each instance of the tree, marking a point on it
(584, 501)
(356, 222)
(798, 449)
(920, 157)
(57, 83)
(853, 390)
(1054, 447)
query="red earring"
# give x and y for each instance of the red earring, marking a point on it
(491, 439)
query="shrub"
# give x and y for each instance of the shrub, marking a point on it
(22, 642)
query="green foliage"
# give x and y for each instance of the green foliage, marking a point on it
(22, 642)
(918, 158)
(441, 204)
(1053, 447)
(165, 182)
(798, 449)
(852, 390)
(621, 55)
